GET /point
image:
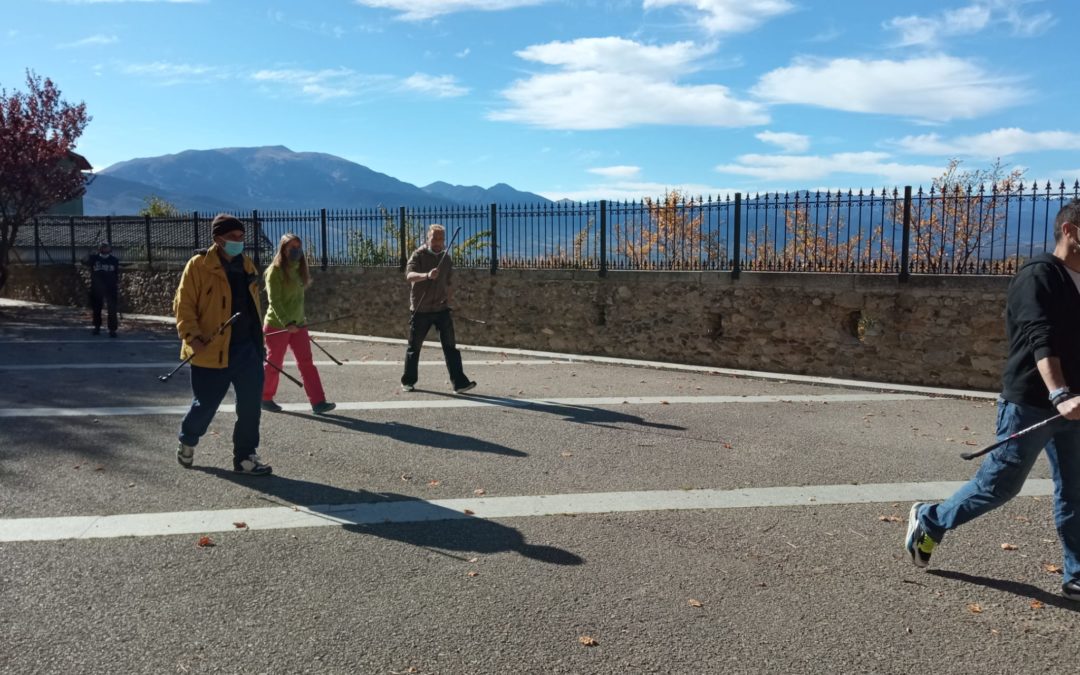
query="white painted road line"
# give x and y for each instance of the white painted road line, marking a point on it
(475, 401)
(168, 365)
(416, 511)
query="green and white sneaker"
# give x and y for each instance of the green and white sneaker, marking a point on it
(918, 543)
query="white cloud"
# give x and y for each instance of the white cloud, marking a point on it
(98, 40)
(463, 53)
(729, 16)
(621, 171)
(788, 142)
(875, 165)
(113, 2)
(168, 74)
(973, 18)
(996, 143)
(612, 83)
(441, 86)
(419, 10)
(938, 88)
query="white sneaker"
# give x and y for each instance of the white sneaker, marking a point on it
(407, 387)
(185, 455)
(252, 465)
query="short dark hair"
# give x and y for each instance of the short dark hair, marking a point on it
(1070, 213)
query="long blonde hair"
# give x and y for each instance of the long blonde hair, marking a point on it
(281, 260)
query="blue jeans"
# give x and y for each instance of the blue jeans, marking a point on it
(208, 389)
(1004, 470)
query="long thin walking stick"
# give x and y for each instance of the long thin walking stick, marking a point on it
(278, 368)
(323, 349)
(220, 330)
(309, 325)
(1018, 434)
(437, 266)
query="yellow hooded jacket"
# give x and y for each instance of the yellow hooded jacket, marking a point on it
(203, 302)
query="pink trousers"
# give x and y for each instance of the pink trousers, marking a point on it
(300, 342)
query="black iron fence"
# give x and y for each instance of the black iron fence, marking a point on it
(961, 230)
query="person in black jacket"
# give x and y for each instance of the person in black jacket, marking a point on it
(104, 285)
(1042, 320)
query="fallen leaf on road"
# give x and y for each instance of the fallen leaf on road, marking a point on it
(131, 484)
(726, 446)
(664, 403)
(473, 573)
(472, 560)
(587, 641)
(1052, 568)
(971, 443)
(99, 468)
(406, 476)
(975, 608)
(479, 492)
(890, 519)
(470, 512)
(567, 454)
(240, 526)
(434, 483)
(693, 603)
(1009, 547)
(204, 542)
(1035, 604)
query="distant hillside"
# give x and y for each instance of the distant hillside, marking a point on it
(109, 196)
(269, 178)
(500, 193)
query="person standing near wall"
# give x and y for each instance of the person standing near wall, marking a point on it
(284, 328)
(1042, 320)
(104, 286)
(216, 285)
(429, 273)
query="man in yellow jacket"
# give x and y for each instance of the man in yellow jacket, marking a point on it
(216, 285)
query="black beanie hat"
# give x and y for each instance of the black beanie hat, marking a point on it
(224, 223)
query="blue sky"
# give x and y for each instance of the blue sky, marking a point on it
(591, 99)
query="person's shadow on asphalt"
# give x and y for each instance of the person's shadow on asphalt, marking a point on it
(397, 517)
(580, 414)
(407, 433)
(1014, 587)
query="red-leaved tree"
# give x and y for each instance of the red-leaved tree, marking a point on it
(38, 131)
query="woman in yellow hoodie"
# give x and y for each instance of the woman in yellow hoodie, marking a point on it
(286, 279)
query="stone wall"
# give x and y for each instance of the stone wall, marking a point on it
(932, 330)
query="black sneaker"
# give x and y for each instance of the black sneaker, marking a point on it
(185, 455)
(1071, 590)
(465, 387)
(96, 331)
(918, 543)
(324, 407)
(252, 465)
(112, 333)
(270, 406)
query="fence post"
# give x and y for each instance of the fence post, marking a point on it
(494, 240)
(257, 228)
(71, 224)
(325, 232)
(195, 227)
(736, 249)
(108, 230)
(603, 237)
(404, 257)
(37, 244)
(906, 236)
(149, 256)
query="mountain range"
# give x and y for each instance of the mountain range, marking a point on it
(271, 178)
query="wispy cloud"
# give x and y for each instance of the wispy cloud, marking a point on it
(463, 53)
(728, 16)
(319, 85)
(441, 86)
(970, 19)
(98, 40)
(635, 191)
(419, 10)
(621, 171)
(786, 141)
(937, 88)
(168, 74)
(790, 168)
(612, 83)
(996, 143)
(321, 28)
